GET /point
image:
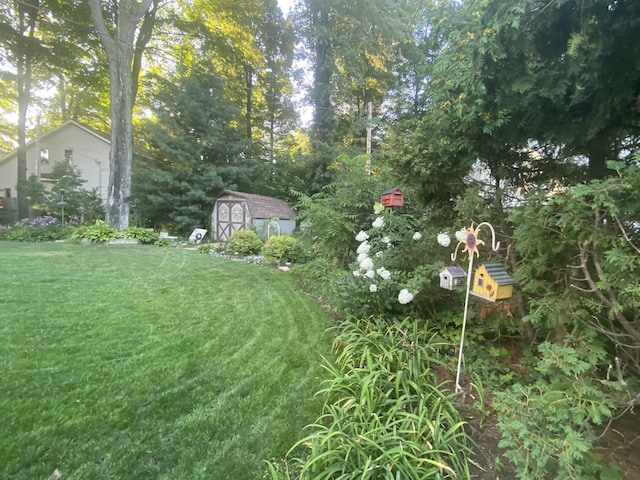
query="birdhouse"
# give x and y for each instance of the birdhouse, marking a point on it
(392, 198)
(491, 282)
(452, 278)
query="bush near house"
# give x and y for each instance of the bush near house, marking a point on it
(244, 242)
(283, 248)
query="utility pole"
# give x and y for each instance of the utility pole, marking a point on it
(38, 154)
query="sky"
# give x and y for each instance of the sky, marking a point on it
(285, 5)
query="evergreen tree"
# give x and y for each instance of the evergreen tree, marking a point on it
(196, 149)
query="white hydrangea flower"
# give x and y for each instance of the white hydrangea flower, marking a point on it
(405, 296)
(356, 273)
(417, 236)
(378, 223)
(362, 256)
(386, 240)
(362, 236)
(384, 273)
(366, 264)
(461, 235)
(370, 274)
(373, 288)
(444, 239)
(378, 208)
(364, 247)
(379, 254)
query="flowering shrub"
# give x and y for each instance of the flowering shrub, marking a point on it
(38, 229)
(395, 271)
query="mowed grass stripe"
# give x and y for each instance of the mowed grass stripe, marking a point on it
(139, 362)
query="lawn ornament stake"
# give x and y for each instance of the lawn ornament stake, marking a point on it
(470, 241)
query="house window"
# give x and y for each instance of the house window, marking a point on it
(458, 282)
(68, 155)
(44, 156)
(481, 279)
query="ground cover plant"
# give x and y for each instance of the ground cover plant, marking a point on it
(385, 416)
(139, 362)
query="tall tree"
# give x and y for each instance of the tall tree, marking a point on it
(196, 150)
(251, 46)
(353, 48)
(124, 30)
(21, 50)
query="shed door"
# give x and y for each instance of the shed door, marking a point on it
(231, 216)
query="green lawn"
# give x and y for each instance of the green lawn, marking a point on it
(131, 362)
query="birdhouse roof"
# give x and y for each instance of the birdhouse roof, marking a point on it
(497, 272)
(392, 190)
(454, 271)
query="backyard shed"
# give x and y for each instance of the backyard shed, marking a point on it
(492, 282)
(238, 210)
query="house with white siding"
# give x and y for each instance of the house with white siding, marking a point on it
(84, 147)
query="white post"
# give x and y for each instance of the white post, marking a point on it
(368, 150)
(464, 322)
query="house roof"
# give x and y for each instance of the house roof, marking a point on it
(497, 272)
(261, 206)
(101, 135)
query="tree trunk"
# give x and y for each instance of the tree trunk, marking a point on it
(121, 157)
(323, 73)
(24, 52)
(248, 81)
(124, 69)
(599, 152)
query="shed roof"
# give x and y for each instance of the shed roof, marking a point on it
(261, 206)
(497, 272)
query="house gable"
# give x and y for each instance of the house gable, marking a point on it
(85, 148)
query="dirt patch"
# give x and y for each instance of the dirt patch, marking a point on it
(620, 444)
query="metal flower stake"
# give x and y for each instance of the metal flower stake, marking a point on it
(470, 242)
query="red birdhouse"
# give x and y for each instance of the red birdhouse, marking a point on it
(392, 198)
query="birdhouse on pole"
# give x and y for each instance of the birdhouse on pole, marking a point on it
(392, 198)
(453, 278)
(492, 282)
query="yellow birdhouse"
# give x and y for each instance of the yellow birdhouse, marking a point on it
(492, 282)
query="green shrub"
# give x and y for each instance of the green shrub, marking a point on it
(99, 232)
(244, 242)
(144, 235)
(320, 277)
(163, 242)
(548, 426)
(283, 248)
(205, 248)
